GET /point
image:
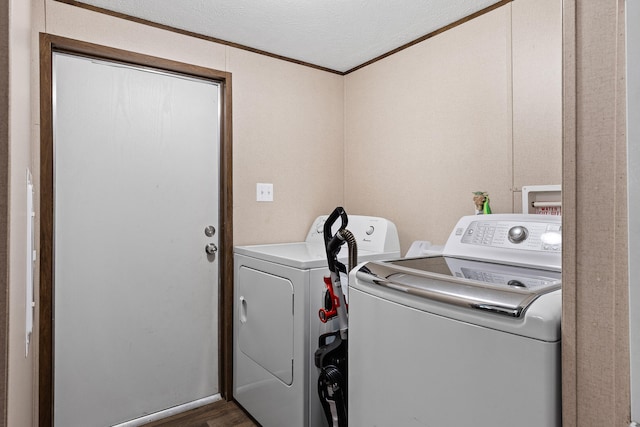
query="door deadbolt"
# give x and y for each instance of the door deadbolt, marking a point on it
(211, 248)
(209, 231)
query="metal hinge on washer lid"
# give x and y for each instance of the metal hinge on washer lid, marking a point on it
(513, 312)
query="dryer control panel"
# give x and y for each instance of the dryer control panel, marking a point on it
(373, 234)
(521, 239)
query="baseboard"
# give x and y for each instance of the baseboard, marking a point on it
(171, 411)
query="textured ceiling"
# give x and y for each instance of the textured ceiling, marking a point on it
(334, 34)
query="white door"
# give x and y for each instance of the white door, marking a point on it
(136, 169)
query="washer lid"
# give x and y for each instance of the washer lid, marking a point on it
(496, 288)
(484, 298)
(303, 255)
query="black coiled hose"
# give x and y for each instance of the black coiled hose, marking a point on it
(348, 236)
(333, 395)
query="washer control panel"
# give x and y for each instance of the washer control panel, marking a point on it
(528, 236)
(525, 239)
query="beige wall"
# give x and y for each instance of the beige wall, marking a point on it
(455, 114)
(21, 368)
(537, 94)
(287, 130)
(428, 126)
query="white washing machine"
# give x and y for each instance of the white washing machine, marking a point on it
(471, 337)
(278, 291)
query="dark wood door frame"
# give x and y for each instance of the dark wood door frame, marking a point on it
(4, 210)
(49, 44)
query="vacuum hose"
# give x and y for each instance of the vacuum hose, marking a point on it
(347, 235)
(333, 395)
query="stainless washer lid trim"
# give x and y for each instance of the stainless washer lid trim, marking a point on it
(460, 292)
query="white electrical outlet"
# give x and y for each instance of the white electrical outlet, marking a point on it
(264, 192)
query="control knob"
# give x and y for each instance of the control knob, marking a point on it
(518, 234)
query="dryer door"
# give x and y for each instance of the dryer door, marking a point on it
(265, 332)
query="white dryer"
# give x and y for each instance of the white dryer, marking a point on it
(278, 291)
(468, 338)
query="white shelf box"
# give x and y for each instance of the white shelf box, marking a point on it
(542, 199)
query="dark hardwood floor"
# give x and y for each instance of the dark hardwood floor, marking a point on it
(218, 414)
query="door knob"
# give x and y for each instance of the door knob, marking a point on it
(211, 248)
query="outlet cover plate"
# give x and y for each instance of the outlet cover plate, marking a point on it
(264, 192)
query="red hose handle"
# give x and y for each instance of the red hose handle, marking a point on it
(324, 314)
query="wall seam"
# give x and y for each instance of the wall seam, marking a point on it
(4, 207)
(510, 92)
(344, 140)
